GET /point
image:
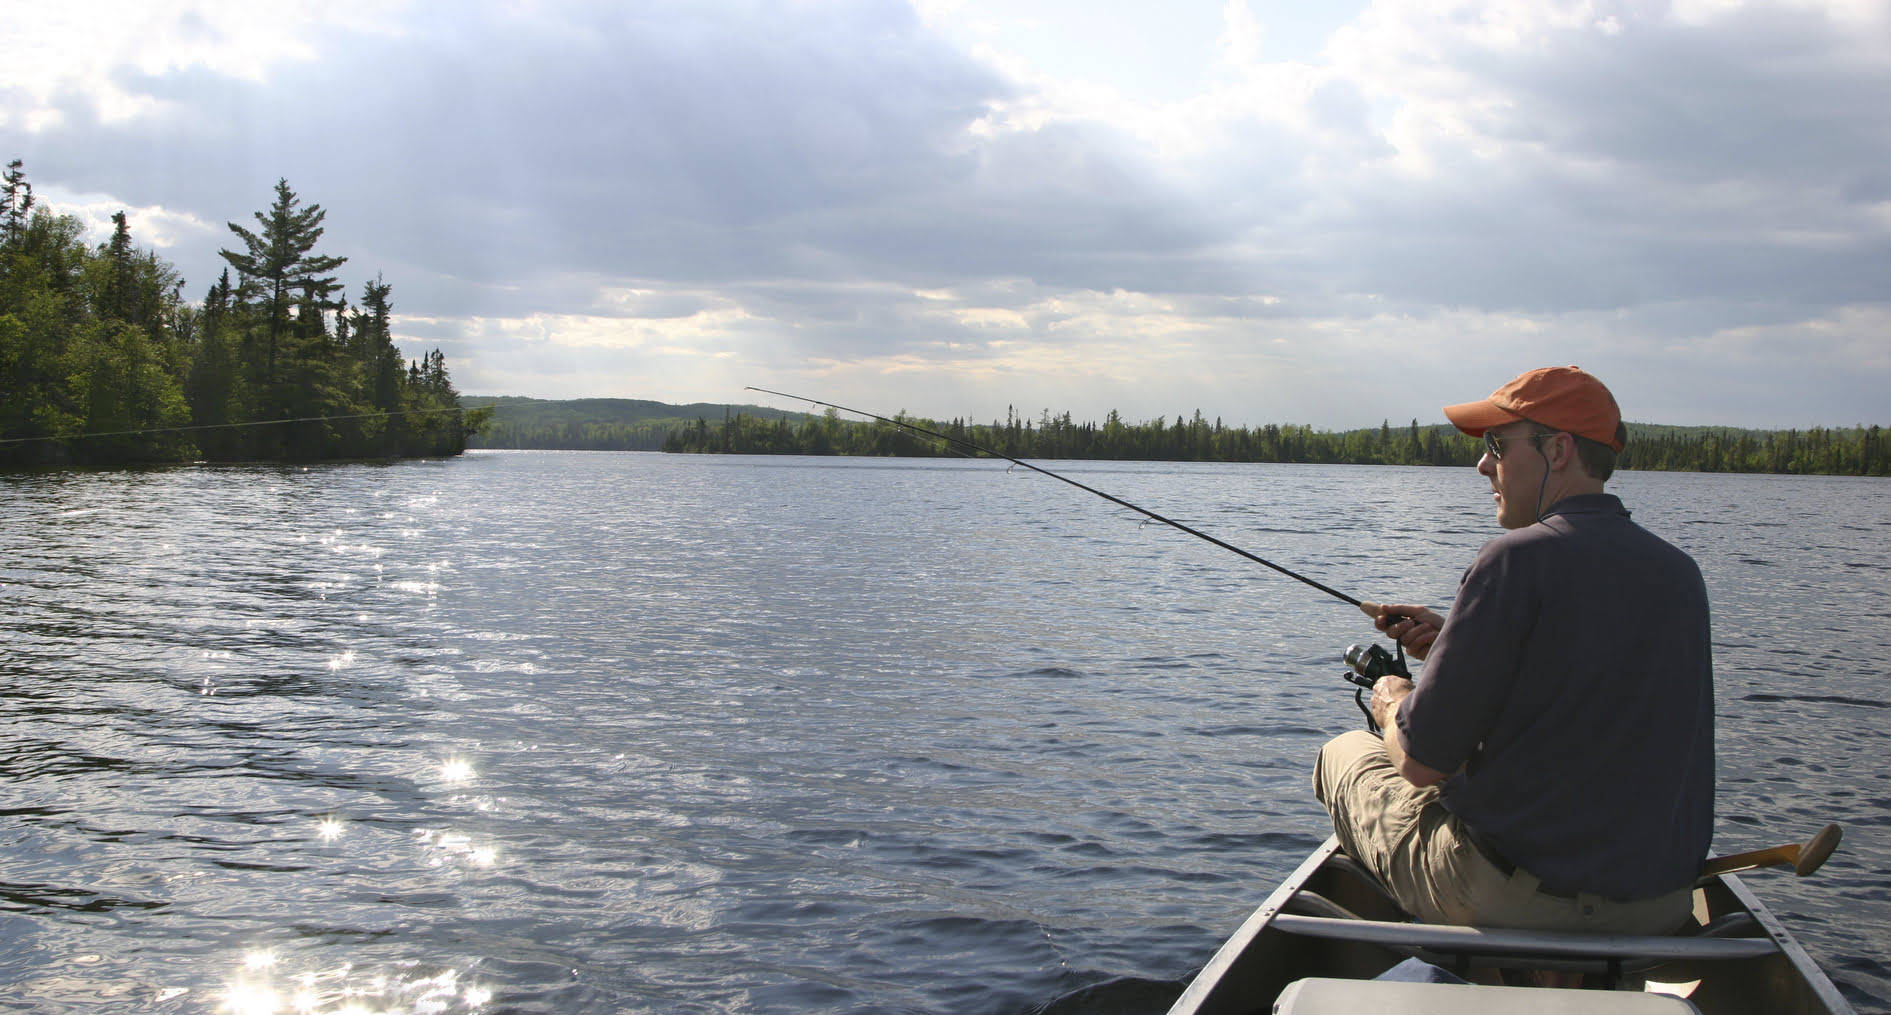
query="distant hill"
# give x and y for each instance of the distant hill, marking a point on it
(598, 424)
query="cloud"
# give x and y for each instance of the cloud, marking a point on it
(670, 199)
(155, 225)
(1560, 158)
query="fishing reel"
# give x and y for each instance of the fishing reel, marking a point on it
(1366, 664)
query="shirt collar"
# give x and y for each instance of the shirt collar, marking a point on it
(1586, 504)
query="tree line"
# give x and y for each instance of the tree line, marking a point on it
(1858, 451)
(1839, 451)
(1059, 437)
(104, 362)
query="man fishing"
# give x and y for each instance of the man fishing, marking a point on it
(1553, 766)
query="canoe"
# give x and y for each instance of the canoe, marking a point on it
(1319, 942)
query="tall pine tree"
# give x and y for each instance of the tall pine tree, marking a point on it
(278, 267)
(18, 206)
(287, 291)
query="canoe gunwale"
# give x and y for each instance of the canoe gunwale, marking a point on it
(1232, 950)
(1744, 951)
(1816, 980)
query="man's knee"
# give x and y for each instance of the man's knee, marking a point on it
(1342, 755)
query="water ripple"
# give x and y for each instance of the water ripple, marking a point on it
(600, 733)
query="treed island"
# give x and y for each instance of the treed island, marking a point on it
(104, 362)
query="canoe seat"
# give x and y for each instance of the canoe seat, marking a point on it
(1730, 937)
(1316, 996)
(1534, 944)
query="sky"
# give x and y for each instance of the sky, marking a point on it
(1322, 213)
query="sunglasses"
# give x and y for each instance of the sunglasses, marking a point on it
(1494, 445)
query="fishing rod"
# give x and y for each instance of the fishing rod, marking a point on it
(1370, 608)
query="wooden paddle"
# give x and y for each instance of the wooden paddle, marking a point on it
(1804, 857)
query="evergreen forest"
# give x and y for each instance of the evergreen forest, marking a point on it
(104, 362)
(1860, 451)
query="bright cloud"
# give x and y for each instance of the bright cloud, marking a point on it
(1237, 205)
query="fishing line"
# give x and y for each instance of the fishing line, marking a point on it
(1197, 533)
(254, 422)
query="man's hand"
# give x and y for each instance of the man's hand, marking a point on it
(1386, 695)
(1414, 627)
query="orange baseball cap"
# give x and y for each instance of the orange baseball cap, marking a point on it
(1566, 398)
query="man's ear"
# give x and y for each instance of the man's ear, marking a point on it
(1561, 453)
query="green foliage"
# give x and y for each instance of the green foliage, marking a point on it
(1059, 437)
(102, 361)
(17, 207)
(615, 424)
(83, 343)
(130, 396)
(1859, 451)
(280, 272)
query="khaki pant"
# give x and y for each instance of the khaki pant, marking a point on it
(1416, 849)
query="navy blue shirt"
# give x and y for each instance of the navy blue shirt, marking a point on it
(1573, 680)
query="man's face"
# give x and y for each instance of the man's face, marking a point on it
(1516, 480)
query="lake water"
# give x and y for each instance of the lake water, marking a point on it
(569, 732)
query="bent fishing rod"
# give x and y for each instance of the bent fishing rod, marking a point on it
(1370, 608)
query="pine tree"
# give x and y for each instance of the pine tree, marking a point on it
(373, 346)
(18, 207)
(39, 266)
(214, 385)
(277, 264)
(117, 294)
